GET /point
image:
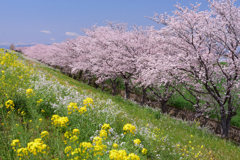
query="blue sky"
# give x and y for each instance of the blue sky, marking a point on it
(48, 21)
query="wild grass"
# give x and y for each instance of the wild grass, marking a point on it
(42, 92)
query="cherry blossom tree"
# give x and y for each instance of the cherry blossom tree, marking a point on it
(199, 40)
(115, 53)
(154, 71)
(102, 55)
(157, 79)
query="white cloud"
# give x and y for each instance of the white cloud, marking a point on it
(71, 34)
(21, 43)
(44, 31)
(52, 39)
(5, 43)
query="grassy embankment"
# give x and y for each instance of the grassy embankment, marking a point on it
(32, 93)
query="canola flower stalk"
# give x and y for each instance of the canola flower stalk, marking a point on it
(59, 121)
(129, 128)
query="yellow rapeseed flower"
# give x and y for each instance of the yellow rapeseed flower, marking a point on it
(23, 113)
(73, 138)
(106, 126)
(97, 140)
(72, 107)
(85, 145)
(29, 91)
(59, 121)
(67, 149)
(88, 101)
(15, 142)
(21, 152)
(44, 134)
(129, 128)
(82, 110)
(136, 141)
(132, 156)
(115, 145)
(103, 133)
(122, 153)
(144, 151)
(39, 101)
(67, 134)
(9, 104)
(113, 154)
(76, 131)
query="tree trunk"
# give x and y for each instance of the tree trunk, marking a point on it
(225, 123)
(144, 94)
(89, 79)
(163, 106)
(114, 87)
(102, 85)
(95, 84)
(79, 75)
(224, 133)
(61, 70)
(83, 76)
(127, 92)
(73, 76)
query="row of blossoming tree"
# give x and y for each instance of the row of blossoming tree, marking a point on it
(185, 55)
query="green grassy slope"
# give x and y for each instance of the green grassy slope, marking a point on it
(163, 137)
